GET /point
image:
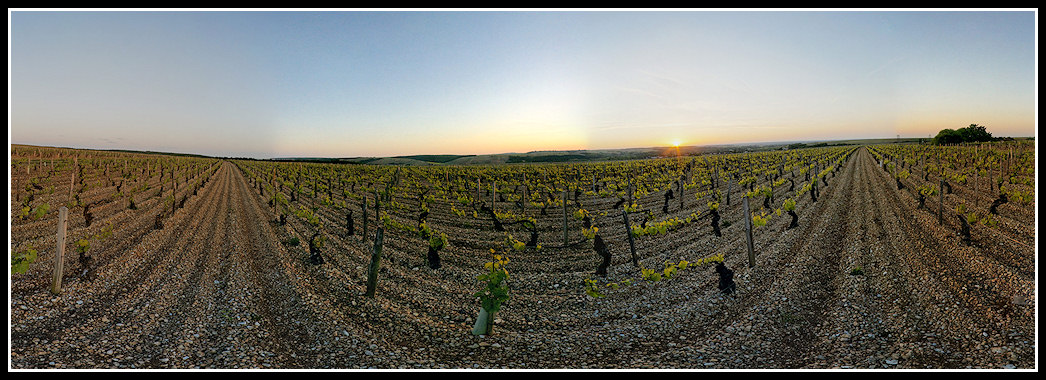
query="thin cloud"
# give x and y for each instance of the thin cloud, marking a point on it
(884, 66)
(663, 80)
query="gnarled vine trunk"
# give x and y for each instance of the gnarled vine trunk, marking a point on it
(994, 207)
(490, 212)
(314, 250)
(349, 228)
(668, 195)
(726, 279)
(432, 258)
(601, 248)
(795, 219)
(715, 223)
(964, 229)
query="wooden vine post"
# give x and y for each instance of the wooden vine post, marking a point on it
(364, 217)
(72, 180)
(377, 209)
(630, 185)
(525, 186)
(56, 283)
(748, 234)
(940, 204)
(631, 240)
(729, 188)
(1009, 159)
(681, 193)
(375, 264)
(565, 240)
(813, 189)
(991, 179)
(976, 155)
(715, 178)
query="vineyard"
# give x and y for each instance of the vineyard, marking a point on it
(874, 256)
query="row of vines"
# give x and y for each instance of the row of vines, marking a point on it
(984, 186)
(443, 223)
(112, 198)
(437, 215)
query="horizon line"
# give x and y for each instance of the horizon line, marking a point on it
(479, 154)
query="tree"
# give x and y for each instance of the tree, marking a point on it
(973, 133)
(947, 136)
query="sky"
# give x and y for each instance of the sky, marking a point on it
(356, 83)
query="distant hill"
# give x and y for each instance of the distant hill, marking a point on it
(563, 156)
(436, 158)
(593, 155)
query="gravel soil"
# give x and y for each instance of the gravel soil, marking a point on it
(217, 287)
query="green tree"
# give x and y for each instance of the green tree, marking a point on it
(947, 136)
(975, 133)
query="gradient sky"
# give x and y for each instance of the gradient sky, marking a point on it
(363, 83)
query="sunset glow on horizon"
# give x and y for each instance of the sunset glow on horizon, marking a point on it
(364, 83)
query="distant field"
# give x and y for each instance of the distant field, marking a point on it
(437, 158)
(597, 155)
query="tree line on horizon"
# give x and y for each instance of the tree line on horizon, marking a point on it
(973, 133)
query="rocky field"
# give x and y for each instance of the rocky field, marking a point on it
(868, 280)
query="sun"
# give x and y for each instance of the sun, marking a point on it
(676, 143)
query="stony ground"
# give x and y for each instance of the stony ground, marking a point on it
(217, 287)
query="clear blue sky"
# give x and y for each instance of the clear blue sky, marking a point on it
(344, 84)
